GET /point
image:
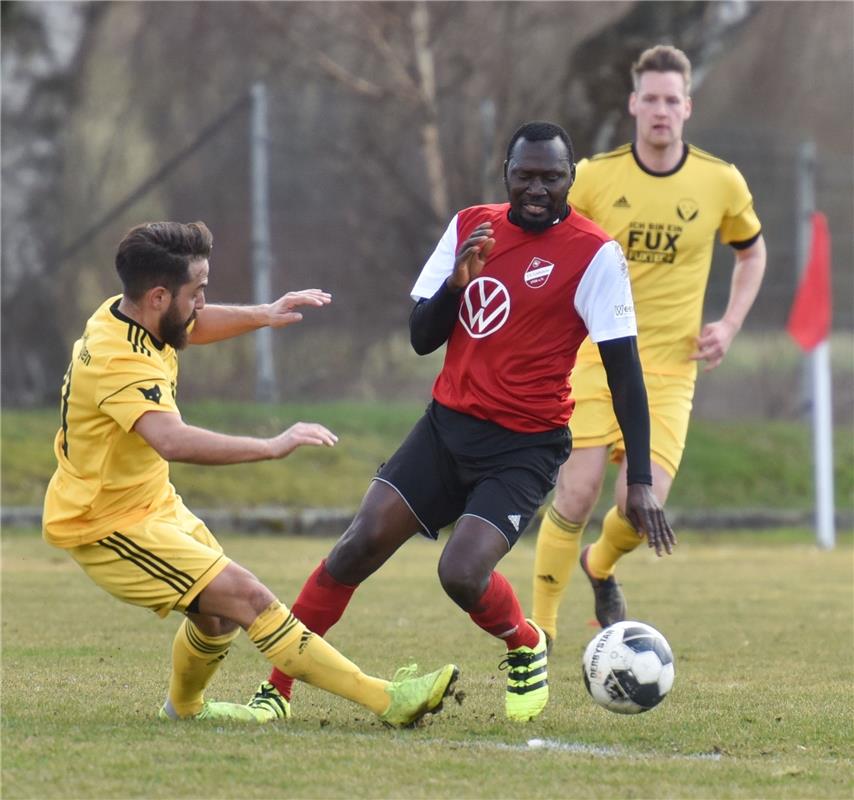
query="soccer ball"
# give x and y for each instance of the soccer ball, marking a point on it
(628, 668)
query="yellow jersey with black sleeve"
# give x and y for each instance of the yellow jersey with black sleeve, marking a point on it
(107, 476)
(666, 224)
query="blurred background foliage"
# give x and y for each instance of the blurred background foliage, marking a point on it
(385, 118)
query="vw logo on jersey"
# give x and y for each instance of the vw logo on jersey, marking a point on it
(485, 307)
(538, 272)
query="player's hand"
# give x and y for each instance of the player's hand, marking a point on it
(300, 434)
(471, 256)
(646, 514)
(281, 312)
(713, 342)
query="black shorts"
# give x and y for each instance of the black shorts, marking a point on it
(452, 465)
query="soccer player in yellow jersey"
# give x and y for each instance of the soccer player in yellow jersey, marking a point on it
(111, 506)
(664, 201)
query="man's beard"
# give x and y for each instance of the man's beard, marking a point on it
(173, 329)
(538, 225)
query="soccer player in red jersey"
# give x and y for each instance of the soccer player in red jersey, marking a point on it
(513, 289)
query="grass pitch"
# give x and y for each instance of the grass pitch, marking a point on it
(761, 628)
(727, 465)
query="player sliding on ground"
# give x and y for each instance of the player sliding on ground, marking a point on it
(111, 506)
(513, 289)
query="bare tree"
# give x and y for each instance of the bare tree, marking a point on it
(384, 118)
(42, 47)
(597, 71)
(400, 37)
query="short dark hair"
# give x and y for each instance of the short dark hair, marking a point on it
(160, 254)
(540, 132)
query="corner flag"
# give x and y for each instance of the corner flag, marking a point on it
(809, 319)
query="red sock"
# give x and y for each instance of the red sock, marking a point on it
(320, 604)
(498, 612)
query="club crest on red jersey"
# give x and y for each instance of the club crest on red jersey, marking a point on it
(485, 307)
(538, 272)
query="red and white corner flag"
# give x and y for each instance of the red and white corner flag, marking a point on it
(809, 319)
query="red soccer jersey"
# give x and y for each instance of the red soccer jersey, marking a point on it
(521, 321)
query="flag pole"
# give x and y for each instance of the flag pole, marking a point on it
(818, 383)
(822, 428)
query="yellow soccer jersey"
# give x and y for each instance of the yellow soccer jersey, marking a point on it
(666, 224)
(108, 476)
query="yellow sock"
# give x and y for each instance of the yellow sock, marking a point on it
(296, 651)
(195, 659)
(557, 551)
(618, 537)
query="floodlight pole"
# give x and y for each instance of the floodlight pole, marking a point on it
(266, 390)
(817, 383)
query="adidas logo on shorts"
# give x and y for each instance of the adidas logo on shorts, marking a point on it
(515, 519)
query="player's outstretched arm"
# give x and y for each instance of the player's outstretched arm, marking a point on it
(174, 440)
(716, 337)
(625, 379)
(215, 322)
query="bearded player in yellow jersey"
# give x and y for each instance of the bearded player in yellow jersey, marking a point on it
(663, 201)
(111, 506)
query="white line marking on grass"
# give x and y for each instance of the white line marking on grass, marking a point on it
(569, 747)
(603, 751)
(580, 748)
(606, 751)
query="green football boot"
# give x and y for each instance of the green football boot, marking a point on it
(412, 697)
(270, 701)
(527, 679)
(213, 711)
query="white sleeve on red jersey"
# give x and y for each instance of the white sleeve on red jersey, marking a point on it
(439, 266)
(604, 296)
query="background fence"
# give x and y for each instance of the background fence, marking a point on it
(328, 218)
(377, 133)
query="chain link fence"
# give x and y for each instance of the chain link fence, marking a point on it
(335, 225)
(770, 164)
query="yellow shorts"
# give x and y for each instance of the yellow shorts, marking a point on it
(161, 563)
(593, 423)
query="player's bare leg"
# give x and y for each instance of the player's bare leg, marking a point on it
(382, 524)
(468, 560)
(467, 573)
(662, 481)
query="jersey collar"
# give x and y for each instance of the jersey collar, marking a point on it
(673, 171)
(563, 215)
(114, 310)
